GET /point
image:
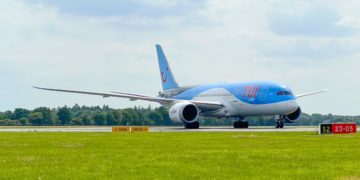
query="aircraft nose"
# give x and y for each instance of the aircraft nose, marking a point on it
(292, 106)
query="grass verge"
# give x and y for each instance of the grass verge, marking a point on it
(281, 155)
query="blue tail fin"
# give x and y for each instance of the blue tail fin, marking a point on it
(167, 78)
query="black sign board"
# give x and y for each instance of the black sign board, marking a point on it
(325, 128)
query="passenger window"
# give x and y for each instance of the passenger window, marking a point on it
(280, 93)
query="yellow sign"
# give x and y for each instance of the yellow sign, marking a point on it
(121, 129)
(130, 129)
(139, 129)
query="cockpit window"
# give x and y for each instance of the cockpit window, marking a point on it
(281, 93)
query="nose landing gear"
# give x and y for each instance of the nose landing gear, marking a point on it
(279, 121)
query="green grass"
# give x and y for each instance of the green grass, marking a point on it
(179, 156)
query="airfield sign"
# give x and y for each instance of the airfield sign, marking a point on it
(130, 129)
(346, 128)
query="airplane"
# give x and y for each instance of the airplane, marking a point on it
(221, 100)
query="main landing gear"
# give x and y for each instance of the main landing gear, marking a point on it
(279, 122)
(194, 125)
(241, 123)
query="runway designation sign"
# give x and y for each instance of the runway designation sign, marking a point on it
(337, 128)
(121, 129)
(130, 129)
(139, 129)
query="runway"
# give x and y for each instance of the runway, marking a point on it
(160, 129)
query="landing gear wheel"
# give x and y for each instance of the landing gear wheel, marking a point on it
(279, 124)
(241, 124)
(194, 125)
(236, 124)
(279, 121)
(246, 124)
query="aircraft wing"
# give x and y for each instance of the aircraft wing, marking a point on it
(203, 105)
(310, 93)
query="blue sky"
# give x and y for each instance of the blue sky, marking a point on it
(123, 8)
(109, 46)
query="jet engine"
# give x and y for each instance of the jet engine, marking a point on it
(294, 116)
(184, 112)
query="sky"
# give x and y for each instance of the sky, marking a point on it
(110, 46)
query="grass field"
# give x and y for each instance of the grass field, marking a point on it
(179, 156)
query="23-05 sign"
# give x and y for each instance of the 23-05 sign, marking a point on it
(337, 128)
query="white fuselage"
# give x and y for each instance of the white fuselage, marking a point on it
(234, 107)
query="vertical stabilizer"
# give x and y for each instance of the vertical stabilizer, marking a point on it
(167, 78)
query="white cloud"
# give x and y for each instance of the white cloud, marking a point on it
(42, 45)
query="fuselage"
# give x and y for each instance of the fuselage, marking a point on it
(240, 99)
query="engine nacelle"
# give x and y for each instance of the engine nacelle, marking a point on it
(294, 116)
(184, 112)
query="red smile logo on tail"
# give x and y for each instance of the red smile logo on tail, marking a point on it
(163, 77)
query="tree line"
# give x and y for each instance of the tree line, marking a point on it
(106, 116)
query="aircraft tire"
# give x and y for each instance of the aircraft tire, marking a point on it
(194, 125)
(279, 124)
(245, 124)
(241, 124)
(236, 124)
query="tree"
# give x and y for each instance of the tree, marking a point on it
(129, 116)
(7, 122)
(6, 115)
(87, 118)
(64, 115)
(118, 116)
(2, 116)
(48, 119)
(105, 108)
(165, 115)
(100, 118)
(24, 121)
(110, 118)
(36, 118)
(76, 107)
(19, 113)
(155, 116)
(76, 121)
